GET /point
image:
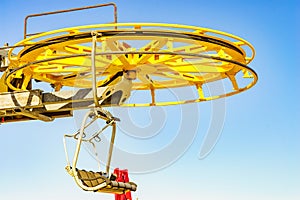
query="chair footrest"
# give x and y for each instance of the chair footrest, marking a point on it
(93, 179)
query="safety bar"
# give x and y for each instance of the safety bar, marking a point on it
(69, 10)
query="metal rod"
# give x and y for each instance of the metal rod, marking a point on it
(70, 10)
(66, 151)
(112, 141)
(35, 115)
(94, 76)
(75, 159)
(152, 95)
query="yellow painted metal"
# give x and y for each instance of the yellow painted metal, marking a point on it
(163, 56)
(3, 86)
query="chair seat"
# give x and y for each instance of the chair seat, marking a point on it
(92, 179)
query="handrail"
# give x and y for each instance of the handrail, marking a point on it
(69, 10)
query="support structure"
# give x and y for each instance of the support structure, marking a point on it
(104, 63)
(46, 106)
(122, 176)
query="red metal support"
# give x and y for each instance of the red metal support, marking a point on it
(122, 176)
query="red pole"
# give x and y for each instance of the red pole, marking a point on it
(122, 176)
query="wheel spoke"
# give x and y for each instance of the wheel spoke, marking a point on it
(145, 78)
(117, 46)
(153, 46)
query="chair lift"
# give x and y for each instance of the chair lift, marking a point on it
(96, 181)
(118, 182)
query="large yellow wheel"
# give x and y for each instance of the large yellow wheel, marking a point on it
(158, 57)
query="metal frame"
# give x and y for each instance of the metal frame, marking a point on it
(252, 74)
(94, 114)
(230, 58)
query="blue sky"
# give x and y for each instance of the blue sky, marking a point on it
(258, 153)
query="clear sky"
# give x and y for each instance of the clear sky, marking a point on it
(258, 153)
